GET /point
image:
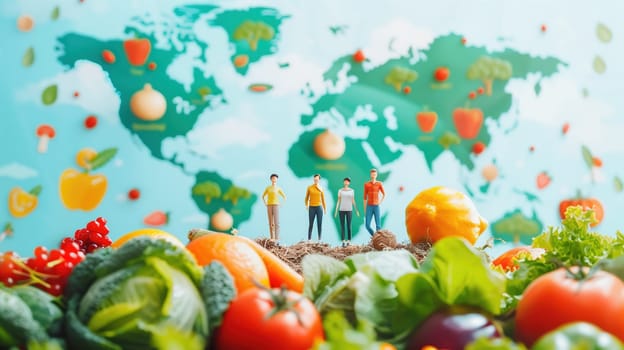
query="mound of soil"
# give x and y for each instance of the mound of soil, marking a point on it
(293, 254)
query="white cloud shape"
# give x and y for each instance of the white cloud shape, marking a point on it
(17, 171)
(97, 94)
(198, 219)
(209, 139)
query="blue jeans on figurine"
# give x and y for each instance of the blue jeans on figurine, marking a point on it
(315, 212)
(372, 210)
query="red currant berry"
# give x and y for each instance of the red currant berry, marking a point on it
(91, 247)
(41, 250)
(56, 254)
(93, 226)
(82, 234)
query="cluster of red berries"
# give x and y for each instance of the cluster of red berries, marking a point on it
(49, 270)
(92, 236)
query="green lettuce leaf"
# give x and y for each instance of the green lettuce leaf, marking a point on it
(320, 273)
(341, 335)
(453, 273)
(571, 244)
(361, 288)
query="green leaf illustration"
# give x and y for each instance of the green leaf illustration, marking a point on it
(617, 183)
(599, 65)
(102, 158)
(29, 57)
(603, 33)
(48, 96)
(55, 13)
(587, 156)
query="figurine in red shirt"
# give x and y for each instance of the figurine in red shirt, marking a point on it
(372, 199)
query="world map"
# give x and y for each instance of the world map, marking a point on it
(377, 114)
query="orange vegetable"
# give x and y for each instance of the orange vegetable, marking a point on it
(280, 273)
(440, 212)
(238, 257)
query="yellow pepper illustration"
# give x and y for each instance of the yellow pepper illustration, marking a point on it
(81, 189)
(22, 203)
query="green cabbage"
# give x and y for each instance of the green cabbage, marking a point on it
(134, 296)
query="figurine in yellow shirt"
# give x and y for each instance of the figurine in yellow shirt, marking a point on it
(271, 200)
(314, 201)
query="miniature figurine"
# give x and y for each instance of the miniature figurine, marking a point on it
(345, 205)
(314, 200)
(372, 201)
(271, 200)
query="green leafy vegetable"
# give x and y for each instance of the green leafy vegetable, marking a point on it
(572, 244)
(55, 13)
(361, 287)
(454, 273)
(29, 57)
(49, 94)
(484, 343)
(587, 156)
(17, 323)
(136, 294)
(600, 66)
(218, 290)
(618, 184)
(603, 33)
(341, 335)
(102, 158)
(43, 307)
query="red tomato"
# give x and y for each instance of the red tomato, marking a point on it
(359, 56)
(478, 147)
(249, 323)
(556, 298)
(587, 203)
(508, 260)
(441, 73)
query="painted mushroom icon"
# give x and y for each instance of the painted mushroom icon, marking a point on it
(45, 132)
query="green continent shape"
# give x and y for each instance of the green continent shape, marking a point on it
(229, 20)
(129, 79)
(240, 212)
(516, 227)
(427, 94)
(368, 89)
